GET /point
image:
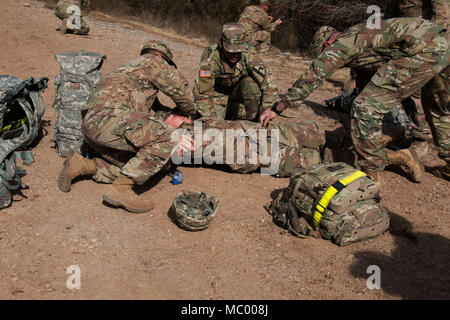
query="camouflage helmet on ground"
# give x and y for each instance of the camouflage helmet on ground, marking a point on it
(320, 38)
(194, 210)
(233, 37)
(159, 46)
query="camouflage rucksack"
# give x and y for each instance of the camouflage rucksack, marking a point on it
(334, 201)
(21, 111)
(80, 73)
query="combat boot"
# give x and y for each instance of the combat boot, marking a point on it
(442, 172)
(420, 148)
(408, 161)
(75, 165)
(121, 194)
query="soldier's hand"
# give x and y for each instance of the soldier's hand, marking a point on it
(279, 21)
(175, 120)
(266, 116)
(270, 18)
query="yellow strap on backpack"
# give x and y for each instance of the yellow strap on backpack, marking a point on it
(331, 192)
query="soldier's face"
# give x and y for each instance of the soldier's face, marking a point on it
(232, 57)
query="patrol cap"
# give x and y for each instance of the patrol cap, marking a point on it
(233, 37)
(320, 38)
(159, 46)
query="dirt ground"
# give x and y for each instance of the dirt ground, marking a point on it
(243, 254)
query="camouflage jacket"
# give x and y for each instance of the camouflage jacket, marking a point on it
(365, 49)
(255, 18)
(436, 10)
(215, 79)
(135, 86)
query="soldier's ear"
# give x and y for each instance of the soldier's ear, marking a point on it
(220, 44)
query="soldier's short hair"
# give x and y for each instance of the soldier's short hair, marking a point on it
(264, 2)
(233, 37)
(320, 38)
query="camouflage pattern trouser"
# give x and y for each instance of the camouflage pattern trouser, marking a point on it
(61, 13)
(392, 83)
(414, 111)
(298, 145)
(437, 111)
(244, 101)
(132, 143)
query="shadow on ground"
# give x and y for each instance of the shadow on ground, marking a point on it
(416, 269)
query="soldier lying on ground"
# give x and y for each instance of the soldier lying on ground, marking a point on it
(258, 25)
(233, 83)
(117, 124)
(408, 53)
(69, 11)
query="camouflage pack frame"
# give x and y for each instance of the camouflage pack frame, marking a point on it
(21, 111)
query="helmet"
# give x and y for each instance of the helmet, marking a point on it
(194, 210)
(159, 46)
(320, 38)
(233, 37)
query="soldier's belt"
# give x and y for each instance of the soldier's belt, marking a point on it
(331, 192)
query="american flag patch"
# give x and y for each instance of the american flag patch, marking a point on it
(205, 73)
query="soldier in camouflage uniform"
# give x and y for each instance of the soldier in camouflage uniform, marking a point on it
(117, 123)
(233, 82)
(437, 11)
(299, 144)
(63, 12)
(435, 93)
(407, 53)
(258, 25)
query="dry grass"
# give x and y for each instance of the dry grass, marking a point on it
(204, 18)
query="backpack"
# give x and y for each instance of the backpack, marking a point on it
(332, 201)
(79, 74)
(21, 111)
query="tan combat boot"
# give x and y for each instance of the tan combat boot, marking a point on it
(442, 172)
(420, 148)
(121, 194)
(408, 161)
(75, 165)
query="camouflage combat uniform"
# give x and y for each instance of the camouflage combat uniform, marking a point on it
(407, 53)
(61, 11)
(242, 92)
(435, 93)
(258, 27)
(118, 124)
(435, 10)
(299, 144)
